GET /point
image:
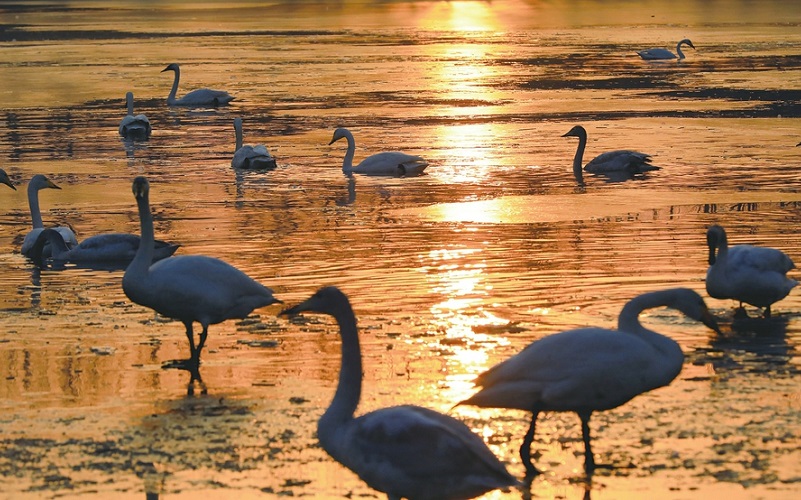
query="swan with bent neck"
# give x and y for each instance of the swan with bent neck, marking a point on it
(250, 157)
(590, 369)
(36, 184)
(404, 451)
(664, 54)
(389, 163)
(621, 160)
(134, 127)
(199, 97)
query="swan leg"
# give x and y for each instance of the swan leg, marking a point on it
(766, 314)
(202, 342)
(589, 459)
(190, 335)
(525, 448)
(194, 376)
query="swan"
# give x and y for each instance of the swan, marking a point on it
(199, 97)
(621, 160)
(37, 183)
(751, 274)
(386, 163)
(135, 127)
(188, 288)
(590, 369)
(404, 451)
(4, 179)
(103, 249)
(655, 54)
(250, 157)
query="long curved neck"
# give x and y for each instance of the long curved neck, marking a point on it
(629, 319)
(347, 163)
(129, 103)
(33, 205)
(678, 50)
(238, 131)
(349, 390)
(171, 97)
(718, 248)
(144, 254)
(579, 158)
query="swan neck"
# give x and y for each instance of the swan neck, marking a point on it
(129, 104)
(239, 138)
(347, 163)
(577, 159)
(629, 319)
(33, 205)
(174, 90)
(144, 254)
(678, 50)
(349, 389)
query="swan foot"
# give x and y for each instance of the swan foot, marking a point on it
(181, 364)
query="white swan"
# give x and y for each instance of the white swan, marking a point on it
(656, 54)
(751, 274)
(101, 249)
(4, 179)
(188, 288)
(403, 451)
(387, 163)
(622, 160)
(199, 97)
(134, 127)
(590, 369)
(37, 183)
(250, 157)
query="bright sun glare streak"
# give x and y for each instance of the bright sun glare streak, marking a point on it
(462, 16)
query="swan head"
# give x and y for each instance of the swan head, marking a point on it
(687, 42)
(693, 306)
(171, 67)
(577, 131)
(4, 179)
(715, 238)
(140, 187)
(327, 300)
(40, 181)
(340, 133)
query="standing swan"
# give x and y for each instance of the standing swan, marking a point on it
(750, 274)
(188, 288)
(404, 451)
(134, 127)
(199, 97)
(590, 369)
(386, 163)
(4, 179)
(37, 183)
(250, 157)
(621, 160)
(657, 54)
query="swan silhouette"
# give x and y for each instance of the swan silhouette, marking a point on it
(662, 54)
(250, 157)
(134, 127)
(751, 274)
(188, 288)
(590, 369)
(199, 97)
(387, 163)
(4, 179)
(622, 160)
(37, 183)
(404, 451)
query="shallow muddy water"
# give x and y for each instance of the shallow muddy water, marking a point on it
(449, 272)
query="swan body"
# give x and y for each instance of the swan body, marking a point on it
(387, 163)
(751, 274)
(621, 160)
(102, 249)
(37, 183)
(199, 97)
(404, 451)
(250, 157)
(5, 179)
(590, 369)
(662, 54)
(134, 127)
(188, 288)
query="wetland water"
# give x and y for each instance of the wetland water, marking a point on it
(449, 272)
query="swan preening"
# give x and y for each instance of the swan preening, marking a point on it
(751, 274)
(134, 127)
(188, 288)
(403, 451)
(250, 157)
(622, 160)
(391, 163)
(37, 183)
(662, 54)
(590, 369)
(4, 179)
(199, 97)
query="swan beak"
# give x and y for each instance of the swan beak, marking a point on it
(294, 311)
(709, 320)
(51, 185)
(9, 184)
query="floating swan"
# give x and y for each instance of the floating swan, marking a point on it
(404, 451)
(101, 249)
(590, 369)
(199, 97)
(4, 179)
(751, 274)
(250, 157)
(134, 127)
(655, 54)
(37, 183)
(387, 163)
(188, 288)
(621, 160)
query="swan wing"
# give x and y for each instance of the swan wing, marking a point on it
(651, 54)
(250, 157)
(759, 258)
(205, 97)
(622, 160)
(391, 163)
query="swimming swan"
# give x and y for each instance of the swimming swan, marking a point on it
(4, 179)
(404, 451)
(250, 157)
(590, 369)
(37, 183)
(188, 288)
(387, 163)
(622, 160)
(751, 274)
(656, 54)
(134, 127)
(199, 97)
